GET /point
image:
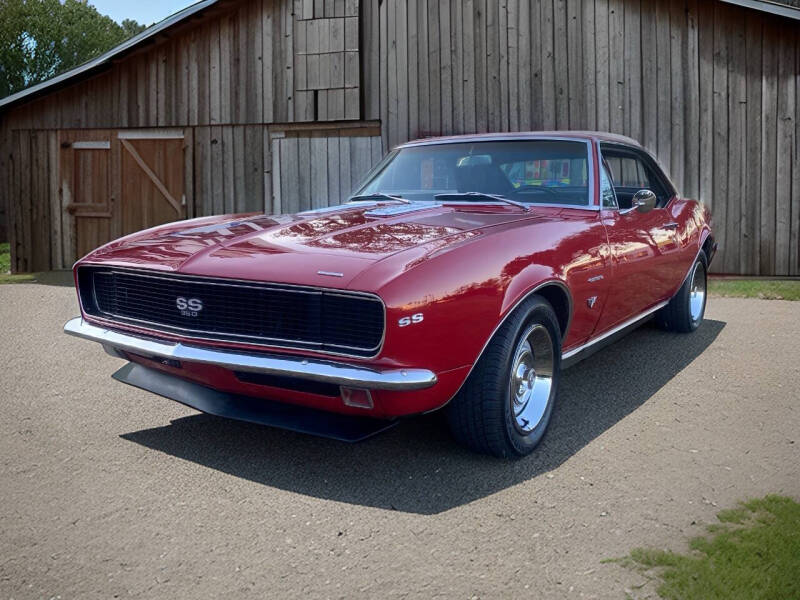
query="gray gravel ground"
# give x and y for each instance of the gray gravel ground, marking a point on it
(108, 491)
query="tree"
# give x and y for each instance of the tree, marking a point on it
(131, 28)
(42, 38)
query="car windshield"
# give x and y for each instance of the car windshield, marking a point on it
(528, 171)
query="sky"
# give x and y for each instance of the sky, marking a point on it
(146, 12)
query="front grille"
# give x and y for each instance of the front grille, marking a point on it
(277, 315)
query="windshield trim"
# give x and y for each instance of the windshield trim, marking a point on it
(590, 157)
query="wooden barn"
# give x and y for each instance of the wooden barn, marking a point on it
(282, 105)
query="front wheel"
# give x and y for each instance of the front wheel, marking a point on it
(505, 405)
(686, 309)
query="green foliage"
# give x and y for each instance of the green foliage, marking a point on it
(755, 556)
(42, 38)
(5, 258)
(755, 288)
(131, 27)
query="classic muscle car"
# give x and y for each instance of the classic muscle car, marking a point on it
(464, 274)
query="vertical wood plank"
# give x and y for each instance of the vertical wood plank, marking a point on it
(633, 70)
(445, 43)
(188, 172)
(470, 76)
(749, 257)
(785, 145)
(267, 64)
(332, 156)
(385, 63)
(345, 185)
(794, 244)
(548, 88)
(319, 171)
(436, 90)
(524, 51)
(691, 74)
(737, 142)
(481, 91)
(602, 64)
(769, 145)
(401, 32)
(706, 130)
(56, 249)
(412, 92)
(303, 173)
(588, 62)
(616, 85)
(664, 83)
(677, 26)
(576, 93)
(277, 187)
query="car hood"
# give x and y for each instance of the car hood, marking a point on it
(326, 247)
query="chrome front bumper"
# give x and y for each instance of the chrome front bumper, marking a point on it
(301, 368)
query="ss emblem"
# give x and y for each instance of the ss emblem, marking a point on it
(189, 307)
(406, 321)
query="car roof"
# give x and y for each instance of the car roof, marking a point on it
(601, 136)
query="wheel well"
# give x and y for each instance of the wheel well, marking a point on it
(708, 248)
(559, 299)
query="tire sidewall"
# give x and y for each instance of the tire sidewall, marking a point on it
(543, 314)
(687, 292)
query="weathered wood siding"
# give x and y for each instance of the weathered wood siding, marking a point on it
(713, 89)
(320, 168)
(235, 66)
(230, 78)
(227, 169)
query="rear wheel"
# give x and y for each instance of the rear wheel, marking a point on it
(686, 309)
(505, 405)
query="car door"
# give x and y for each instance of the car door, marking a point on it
(644, 248)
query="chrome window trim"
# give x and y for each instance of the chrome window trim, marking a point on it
(590, 161)
(188, 333)
(672, 191)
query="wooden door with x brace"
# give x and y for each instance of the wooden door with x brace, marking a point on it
(151, 178)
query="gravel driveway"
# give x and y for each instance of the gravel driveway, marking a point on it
(108, 491)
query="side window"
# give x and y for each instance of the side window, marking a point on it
(630, 173)
(633, 174)
(607, 197)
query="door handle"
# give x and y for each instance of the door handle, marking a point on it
(670, 225)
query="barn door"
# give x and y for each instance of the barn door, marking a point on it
(86, 191)
(151, 178)
(319, 168)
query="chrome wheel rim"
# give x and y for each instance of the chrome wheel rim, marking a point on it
(531, 377)
(697, 292)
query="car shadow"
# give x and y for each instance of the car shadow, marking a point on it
(417, 467)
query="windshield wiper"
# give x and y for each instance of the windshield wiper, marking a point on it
(480, 196)
(380, 195)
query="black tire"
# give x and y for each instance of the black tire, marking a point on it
(482, 415)
(677, 315)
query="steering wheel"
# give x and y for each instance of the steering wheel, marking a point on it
(536, 188)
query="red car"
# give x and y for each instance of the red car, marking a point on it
(464, 274)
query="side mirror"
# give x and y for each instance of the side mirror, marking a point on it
(644, 201)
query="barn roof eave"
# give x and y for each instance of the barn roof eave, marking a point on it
(106, 58)
(776, 8)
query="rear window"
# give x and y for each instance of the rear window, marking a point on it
(532, 171)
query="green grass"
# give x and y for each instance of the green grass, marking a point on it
(755, 288)
(753, 553)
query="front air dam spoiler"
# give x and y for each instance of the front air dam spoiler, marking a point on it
(345, 428)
